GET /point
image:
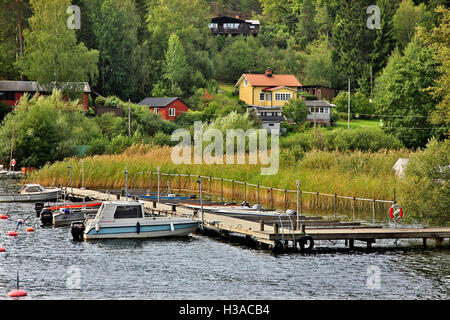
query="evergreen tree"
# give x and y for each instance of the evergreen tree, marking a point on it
(52, 56)
(352, 40)
(306, 26)
(384, 42)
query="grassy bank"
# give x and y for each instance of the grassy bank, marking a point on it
(359, 174)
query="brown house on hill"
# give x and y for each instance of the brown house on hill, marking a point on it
(321, 92)
(233, 26)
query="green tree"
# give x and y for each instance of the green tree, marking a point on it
(295, 110)
(438, 40)
(385, 41)
(428, 172)
(406, 19)
(46, 129)
(52, 55)
(306, 26)
(404, 102)
(124, 64)
(175, 64)
(13, 20)
(352, 40)
(319, 68)
(189, 20)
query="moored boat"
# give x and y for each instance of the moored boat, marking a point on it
(63, 214)
(32, 193)
(127, 219)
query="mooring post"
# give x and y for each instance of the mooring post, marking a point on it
(424, 242)
(317, 201)
(302, 228)
(261, 225)
(82, 174)
(245, 191)
(221, 187)
(298, 203)
(353, 208)
(210, 190)
(159, 179)
(271, 197)
(275, 228)
(285, 199)
(151, 178)
(335, 205)
(179, 182)
(189, 182)
(257, 196)
(373, 210)
(232, 190)
(394, 197)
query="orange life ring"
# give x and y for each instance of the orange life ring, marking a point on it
(395, 211)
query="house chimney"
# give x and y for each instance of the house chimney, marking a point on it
(269, 72)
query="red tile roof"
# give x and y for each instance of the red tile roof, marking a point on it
(276, 80)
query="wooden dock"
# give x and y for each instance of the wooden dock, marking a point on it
(282, 234)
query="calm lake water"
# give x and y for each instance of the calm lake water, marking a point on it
(52, 266)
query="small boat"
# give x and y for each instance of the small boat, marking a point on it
(32, 193)
(63, 214)
(127, 219)
(170, 196)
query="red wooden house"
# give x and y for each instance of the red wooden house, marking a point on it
(169, 108)
(12, 91)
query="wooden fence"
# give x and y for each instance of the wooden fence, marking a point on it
(281, 198)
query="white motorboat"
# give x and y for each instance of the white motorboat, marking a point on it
(30, 193)
(127, 219)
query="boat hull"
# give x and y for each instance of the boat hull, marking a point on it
(47, 196)
(145, 231)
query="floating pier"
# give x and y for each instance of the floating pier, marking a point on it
(281, 234)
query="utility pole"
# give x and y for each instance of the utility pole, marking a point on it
(348, 120)
(370, 100)
(129, 119)
(315, 123)
(126, 188)
(71, 186)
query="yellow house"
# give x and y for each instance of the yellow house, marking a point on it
(267, 89)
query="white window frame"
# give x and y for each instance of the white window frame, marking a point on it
(261, 94)
(245, 82)
(268, 97)
(282, 96)
(172, 112)
(156, 110)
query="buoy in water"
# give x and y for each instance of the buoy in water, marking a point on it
(2, 249)
(12, 233)
(30, 229)
(20, 221)
(17, 293)
(3, 216)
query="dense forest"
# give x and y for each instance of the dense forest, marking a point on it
(133, 49)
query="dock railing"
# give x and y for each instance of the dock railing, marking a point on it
(283, 198)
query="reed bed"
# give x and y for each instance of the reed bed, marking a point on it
(352, 174)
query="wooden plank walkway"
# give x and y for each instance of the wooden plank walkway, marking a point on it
(266, 232)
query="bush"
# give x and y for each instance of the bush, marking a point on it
(162, 139)
(363, 139)
(424, 192)
(99, 101)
